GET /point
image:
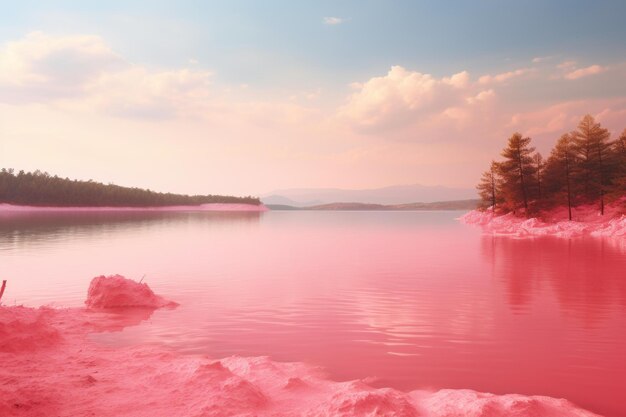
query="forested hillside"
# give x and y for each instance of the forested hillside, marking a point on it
(585, 166)
(41, 189)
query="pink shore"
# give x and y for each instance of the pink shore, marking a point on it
(586, 221)
(51, 367)
(8, 208)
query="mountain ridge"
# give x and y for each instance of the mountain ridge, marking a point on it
(390, 195)
(469, 204)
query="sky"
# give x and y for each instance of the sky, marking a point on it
(245, 97)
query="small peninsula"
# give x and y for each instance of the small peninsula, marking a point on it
(580, 189)
(40, 189)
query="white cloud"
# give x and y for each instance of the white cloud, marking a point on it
(401, 97)
(40, 67)
(82, 70)
(406, 105)
(330, 20)
(137, 92)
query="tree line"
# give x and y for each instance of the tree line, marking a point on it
(41, 189)
(585, 166)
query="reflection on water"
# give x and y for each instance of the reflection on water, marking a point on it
(586, 275)
(412, 298)
(33, 228)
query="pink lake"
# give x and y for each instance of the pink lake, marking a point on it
(410, 299)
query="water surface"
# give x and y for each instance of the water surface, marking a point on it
(412, 299)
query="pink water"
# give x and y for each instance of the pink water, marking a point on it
(412, 299)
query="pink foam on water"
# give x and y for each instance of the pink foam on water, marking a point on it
(202, 207)
(50, 367)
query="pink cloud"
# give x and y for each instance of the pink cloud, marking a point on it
(458, 80)
(502, 77)
(584, 72)
(482, 96)
(567, 65)
(546, 123)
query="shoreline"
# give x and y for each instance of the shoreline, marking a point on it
(11, 208)
(586, 222)
(52, 367)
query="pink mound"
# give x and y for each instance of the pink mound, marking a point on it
(587, 222)
(50, 367)
(116, 291)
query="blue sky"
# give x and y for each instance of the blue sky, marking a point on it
(283, 43)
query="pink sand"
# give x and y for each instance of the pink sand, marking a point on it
(202, 207)
(51, 367)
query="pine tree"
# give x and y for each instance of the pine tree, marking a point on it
(488, 187)
(618, 188)
(558, 172)
(593, 148)
(517, 171)
(39, 188)
(539, 167)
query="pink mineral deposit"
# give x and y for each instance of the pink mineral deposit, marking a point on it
(117, 292)
(50, 367)
(586, 222)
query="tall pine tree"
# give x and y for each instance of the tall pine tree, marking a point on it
(593, 149)
(517, 172)
(558, 173)
(488, 187)
(539, 167)
(618, 188)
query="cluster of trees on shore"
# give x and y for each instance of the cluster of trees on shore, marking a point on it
(585, 166)
(41, 189)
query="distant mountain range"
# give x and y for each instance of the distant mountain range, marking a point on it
(394, 195)
(470, 204)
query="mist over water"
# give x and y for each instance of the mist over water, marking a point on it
(412, 299)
